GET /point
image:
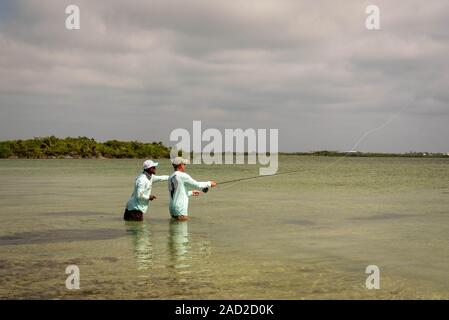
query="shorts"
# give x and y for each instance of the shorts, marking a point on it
(133, 215)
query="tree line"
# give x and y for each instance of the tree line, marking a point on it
(81, 147)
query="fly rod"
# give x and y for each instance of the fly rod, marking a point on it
(251, 178)
(272, 175)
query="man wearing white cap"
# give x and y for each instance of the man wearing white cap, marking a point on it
(140, 199)
(179, 187)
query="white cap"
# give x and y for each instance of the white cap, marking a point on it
(179, 160)
(149, 163)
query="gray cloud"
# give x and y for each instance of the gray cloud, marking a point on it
(139, 69)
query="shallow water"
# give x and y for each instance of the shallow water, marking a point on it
(308, 235)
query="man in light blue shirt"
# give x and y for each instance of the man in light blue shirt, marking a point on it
(179, 188)
(140, 199)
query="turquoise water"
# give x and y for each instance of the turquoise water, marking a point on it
(308, 235)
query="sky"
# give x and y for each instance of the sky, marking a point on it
(136, 70)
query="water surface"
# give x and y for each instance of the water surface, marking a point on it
(308, 235)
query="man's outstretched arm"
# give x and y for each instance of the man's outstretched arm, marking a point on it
(160, 178)
(192, 183)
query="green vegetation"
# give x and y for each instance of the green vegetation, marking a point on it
(81, 147)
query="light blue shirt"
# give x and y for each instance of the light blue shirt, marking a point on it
(179, 184)
(140, 199)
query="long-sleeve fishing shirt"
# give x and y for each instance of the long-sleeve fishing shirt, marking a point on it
(140, 199)
(179, 185)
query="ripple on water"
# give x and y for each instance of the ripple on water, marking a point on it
(76, 213)
(60, 235)
(301, 222)
(385, 216)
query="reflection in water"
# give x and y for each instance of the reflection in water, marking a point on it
(178, 244)
(189, 257)
(143, 249)
(183, 267)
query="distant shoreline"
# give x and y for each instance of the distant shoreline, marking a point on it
(299, 154)
(81, 147)
(87, 148)
(370, 154)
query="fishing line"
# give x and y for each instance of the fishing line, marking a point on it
(383, 125)
(205, 190)
(251, 178)
(270, 175)
(259, 176)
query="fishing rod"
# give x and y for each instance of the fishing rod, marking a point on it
(272, 175)
(251, 178)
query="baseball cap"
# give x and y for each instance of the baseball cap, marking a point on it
(149, 163)
(179, 160)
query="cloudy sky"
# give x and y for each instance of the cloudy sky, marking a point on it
(139, 69)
